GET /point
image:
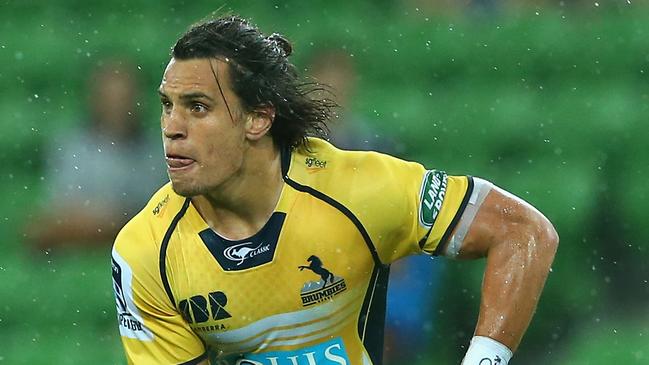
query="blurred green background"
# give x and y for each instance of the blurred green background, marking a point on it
(548, 100)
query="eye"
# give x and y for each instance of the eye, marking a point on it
(198, 108)
(166, 105)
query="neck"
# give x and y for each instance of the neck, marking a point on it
(241, 206)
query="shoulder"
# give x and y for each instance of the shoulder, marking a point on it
(368, 184)
(323, 166)
(143, 234)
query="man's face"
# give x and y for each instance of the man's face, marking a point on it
(204, 142)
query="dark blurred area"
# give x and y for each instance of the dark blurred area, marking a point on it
(547, 99)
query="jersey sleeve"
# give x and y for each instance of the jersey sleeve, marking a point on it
(151, 329)
(415, 209)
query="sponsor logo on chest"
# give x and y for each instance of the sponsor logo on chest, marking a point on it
(200, 310)
(331, 352)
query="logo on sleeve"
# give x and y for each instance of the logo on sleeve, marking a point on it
(431, 197)
(161, 207)
(131, 324)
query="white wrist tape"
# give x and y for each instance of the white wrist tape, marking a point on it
(486, 351)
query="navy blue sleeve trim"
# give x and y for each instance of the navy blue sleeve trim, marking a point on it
(444, 241)
(196, 360)
(163, 251)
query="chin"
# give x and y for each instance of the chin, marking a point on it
(185, 190)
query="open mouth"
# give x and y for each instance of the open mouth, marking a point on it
(177, 162)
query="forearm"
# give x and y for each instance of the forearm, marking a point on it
(514, 278)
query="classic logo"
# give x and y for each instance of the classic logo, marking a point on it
(312, 162)
(130, 322)
(431, 197)
(326, 288)
(331, 352)
(239, 253)
(200, 309)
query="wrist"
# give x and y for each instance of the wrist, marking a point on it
(486, 351)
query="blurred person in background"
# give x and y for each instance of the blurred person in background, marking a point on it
(98, 174)
(272, 246)
(414, 280)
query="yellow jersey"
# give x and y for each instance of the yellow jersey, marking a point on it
(307, 289)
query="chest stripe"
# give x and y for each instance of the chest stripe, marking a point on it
(163, 251)
(288, 329)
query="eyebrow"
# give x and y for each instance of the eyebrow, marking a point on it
(189, 96)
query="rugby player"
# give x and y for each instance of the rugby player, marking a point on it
(271, 246)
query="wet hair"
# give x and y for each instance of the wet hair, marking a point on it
(261, 75)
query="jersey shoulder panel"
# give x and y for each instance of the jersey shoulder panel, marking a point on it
(370, 185)
(404, 208)
(139, 242)
(142, 235)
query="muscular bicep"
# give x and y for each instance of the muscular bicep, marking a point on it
(501, 218)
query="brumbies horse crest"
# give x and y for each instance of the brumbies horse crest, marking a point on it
(327, 287)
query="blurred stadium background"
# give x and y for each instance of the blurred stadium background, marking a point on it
(548, 99)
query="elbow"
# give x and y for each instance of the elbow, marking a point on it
(547, 239)
(550, 235)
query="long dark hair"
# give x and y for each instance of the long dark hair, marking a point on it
(261, 75)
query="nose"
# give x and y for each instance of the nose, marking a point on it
(173, 126)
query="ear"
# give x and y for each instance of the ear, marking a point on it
(259, 121)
